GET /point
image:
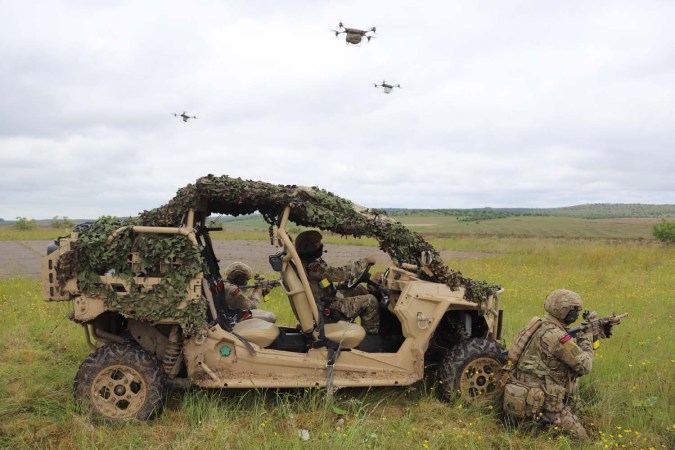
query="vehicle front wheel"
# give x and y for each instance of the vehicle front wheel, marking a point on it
(120, 382)
(471, 371)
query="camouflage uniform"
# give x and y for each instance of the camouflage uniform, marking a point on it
(322, 276)
(348, 302)
(551, 360)
(235, 297)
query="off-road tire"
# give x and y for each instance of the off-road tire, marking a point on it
(471, 371)
(120, 382)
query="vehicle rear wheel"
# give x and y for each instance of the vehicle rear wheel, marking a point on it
(120, 382)
(471, 371)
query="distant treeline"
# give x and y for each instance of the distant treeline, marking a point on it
(590, 211)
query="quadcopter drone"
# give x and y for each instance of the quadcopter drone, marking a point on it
(387, 88)
(354, 35)
(184, 116)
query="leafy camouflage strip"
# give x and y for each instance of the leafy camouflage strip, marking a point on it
(310, 207)
(95, 257)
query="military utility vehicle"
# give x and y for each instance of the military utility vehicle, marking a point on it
(148, 293)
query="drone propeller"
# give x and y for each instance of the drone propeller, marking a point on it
(373, 29)
(340, 25)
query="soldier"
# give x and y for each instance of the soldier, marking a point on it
(322, 276)
(237, 274)
(545, 362)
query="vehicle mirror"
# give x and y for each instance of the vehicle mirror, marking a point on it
(275, 261)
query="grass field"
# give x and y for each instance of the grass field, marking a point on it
(543, 227)
(519, 226)
(629, 397)
(443, 227)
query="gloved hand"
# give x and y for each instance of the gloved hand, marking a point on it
(370, 259)
(606, 331)
(595, 329)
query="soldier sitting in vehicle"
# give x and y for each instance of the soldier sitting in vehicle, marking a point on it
(545, 362)
(237, 274)
(349, 302)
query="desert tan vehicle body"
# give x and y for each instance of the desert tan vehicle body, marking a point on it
(255, 353)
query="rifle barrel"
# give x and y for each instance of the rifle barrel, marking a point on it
(261, 284)
(600, 320)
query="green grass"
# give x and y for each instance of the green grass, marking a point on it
(526, 226)
(444, 227)
(8, 233)
(629, 396)
(449, 226)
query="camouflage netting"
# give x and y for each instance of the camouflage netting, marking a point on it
(310, 207)
(95, 257)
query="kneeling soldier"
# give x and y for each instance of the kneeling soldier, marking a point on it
(545, 362)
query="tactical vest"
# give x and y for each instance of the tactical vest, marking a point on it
(523, 338)
(522, 399)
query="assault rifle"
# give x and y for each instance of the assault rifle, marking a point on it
(603, 324)
(265, 285)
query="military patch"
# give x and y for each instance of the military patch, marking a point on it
(236, 292)
(576, 351)
(315, 266)
(324, 283)
(565, 338)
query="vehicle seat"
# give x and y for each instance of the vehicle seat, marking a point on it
(348, 335)
(258, 331)
(292, 286)
(267, 316)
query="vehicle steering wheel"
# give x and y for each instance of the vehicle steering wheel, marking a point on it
(360, 278)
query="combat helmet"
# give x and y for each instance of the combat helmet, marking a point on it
(561, 301)
(237, 268)
(308, 242)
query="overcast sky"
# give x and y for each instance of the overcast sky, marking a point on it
(503, 103)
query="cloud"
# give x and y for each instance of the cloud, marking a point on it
(502, 104)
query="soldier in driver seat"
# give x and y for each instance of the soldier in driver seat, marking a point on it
(349, 302)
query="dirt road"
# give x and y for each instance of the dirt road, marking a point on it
(22, 258)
